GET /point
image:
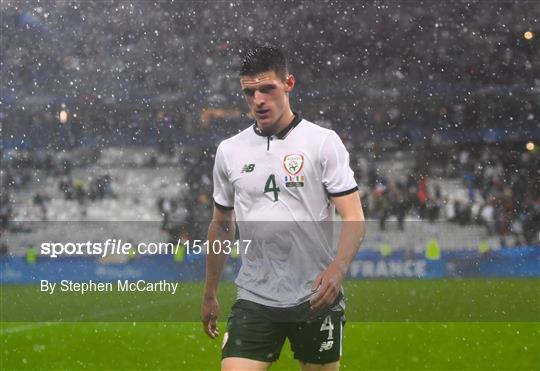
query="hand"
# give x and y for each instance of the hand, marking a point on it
(209, 316)
(327, 286)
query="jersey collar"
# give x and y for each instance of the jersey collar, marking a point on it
(283, 133)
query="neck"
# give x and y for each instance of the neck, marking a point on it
(282, 123)
(285, 120)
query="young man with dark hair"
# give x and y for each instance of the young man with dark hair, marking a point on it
(290, 171)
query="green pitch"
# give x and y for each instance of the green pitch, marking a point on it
(392, 325)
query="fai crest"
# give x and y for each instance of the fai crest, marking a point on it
(293, 163)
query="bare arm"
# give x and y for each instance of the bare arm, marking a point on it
(328, 282)
(353, 231)
(221, 228)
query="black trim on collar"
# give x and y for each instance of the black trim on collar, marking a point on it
(344, 193)
(257, 130)
(283, 133)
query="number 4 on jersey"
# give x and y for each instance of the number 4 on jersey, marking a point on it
(271, 186)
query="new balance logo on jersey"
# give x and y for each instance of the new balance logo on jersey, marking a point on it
(248, 168)
(326, 345)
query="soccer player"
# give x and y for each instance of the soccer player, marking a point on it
(286, 175)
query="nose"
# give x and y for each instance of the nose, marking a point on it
(258, 98)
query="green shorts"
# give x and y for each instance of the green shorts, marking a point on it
(256, 331)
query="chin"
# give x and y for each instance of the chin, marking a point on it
(265, 123)
(266, 128)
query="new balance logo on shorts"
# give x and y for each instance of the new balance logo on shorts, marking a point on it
(326, 345)
(248, 168)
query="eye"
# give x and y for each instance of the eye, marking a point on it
(266, 89)
(249, 92)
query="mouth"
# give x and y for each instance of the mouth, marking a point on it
(263, 113)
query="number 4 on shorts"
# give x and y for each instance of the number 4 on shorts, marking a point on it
(271, 186)
(328, 326)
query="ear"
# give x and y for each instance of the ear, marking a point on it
(289, 83)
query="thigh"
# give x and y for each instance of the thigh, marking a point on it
(334, 366)
(252, 336)
(237, 364)
(318, 341)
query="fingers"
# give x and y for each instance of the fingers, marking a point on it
(209, 323)
(317, 288)
(317, 282)
(317, 300)
(209, 316)
(327, 299)
(212, 328)
(325, 296)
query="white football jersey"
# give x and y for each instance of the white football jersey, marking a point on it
(279, 187)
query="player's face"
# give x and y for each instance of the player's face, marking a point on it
(268, 100)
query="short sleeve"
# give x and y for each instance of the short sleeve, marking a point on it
(223, 189)
(337, 175)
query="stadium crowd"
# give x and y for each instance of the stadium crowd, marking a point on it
(395, 69)
(152, 48)
(455, 86)
(496, 187)
(497, 190)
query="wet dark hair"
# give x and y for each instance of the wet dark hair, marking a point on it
(260, 59)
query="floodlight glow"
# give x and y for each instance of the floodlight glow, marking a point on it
(63, 116)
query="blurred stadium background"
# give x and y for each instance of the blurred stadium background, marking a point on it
(110, 113)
